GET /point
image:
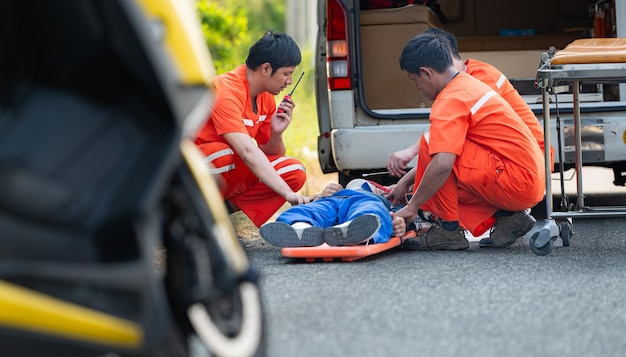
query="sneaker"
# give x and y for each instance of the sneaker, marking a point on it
(437, 238)
(357, 231)
(284, 235)
(507, 230)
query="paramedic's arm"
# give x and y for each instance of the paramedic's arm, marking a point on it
(280, 122)
(435, 176)
(397, 196)
(398, 161)
(258, 163)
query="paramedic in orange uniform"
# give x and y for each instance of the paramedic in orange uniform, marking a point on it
(242, 139)
(490, 75)
(478, 160)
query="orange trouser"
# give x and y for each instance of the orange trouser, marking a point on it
(241, 187)
(480, 184)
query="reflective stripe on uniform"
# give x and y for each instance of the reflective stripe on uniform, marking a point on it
(500, 81)
(482, 101)
(290, 168)
(279, 160)
(218, 154)
(219, 170)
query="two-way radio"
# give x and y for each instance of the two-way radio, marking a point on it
(288, 96)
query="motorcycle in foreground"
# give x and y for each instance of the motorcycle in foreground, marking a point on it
(99, 103)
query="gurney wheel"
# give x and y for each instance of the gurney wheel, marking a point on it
(541, 244)
(566, 232)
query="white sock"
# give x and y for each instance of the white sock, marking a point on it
(297, 225)
(344, 224)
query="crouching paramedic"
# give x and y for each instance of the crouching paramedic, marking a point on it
(242, 139)
(478, 161)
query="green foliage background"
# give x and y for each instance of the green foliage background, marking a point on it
(230, 27)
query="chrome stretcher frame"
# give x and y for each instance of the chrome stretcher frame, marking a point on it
(541, 241)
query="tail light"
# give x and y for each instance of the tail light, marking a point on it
(338, 64)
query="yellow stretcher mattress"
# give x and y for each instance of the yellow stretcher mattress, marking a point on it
(592, 50)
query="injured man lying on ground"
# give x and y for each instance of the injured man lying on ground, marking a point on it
(357, 214)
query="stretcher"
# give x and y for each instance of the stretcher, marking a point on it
(595, 60)
(326, 253)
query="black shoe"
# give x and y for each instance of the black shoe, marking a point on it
(437, 238)
(507, 230)
(284, 235)
(357, 231)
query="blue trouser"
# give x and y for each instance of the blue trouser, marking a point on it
(341, 207)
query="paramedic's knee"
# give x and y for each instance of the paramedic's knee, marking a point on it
(293, 172)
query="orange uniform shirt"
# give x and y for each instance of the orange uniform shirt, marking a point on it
(471, 110)
(491, 76)
(233, 112)
(499, 164)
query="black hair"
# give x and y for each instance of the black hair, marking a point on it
(278, 49)
(426, 50)
(454, 45)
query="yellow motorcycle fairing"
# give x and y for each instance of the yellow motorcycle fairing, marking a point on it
(182, 38)
(187, 51)
(234, 252)
(31, 311)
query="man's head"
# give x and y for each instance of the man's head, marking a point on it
(367, 185)
(277, 49)
(427, 60)
(276, 55)
(452, 42)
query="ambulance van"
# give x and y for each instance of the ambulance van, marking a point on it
(368, 108)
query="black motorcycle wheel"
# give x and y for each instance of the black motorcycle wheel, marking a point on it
(218, 310)
(213, 323)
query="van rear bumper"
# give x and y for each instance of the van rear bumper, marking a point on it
(368, 147)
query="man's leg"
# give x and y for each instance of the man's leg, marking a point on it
(361, 217)
(242, 190)
(302, 225)
(445, 233)
(254, 198)
(490, 189)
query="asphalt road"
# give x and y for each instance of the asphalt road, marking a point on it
(478, 302)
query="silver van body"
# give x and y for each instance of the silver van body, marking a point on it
(368, 108)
